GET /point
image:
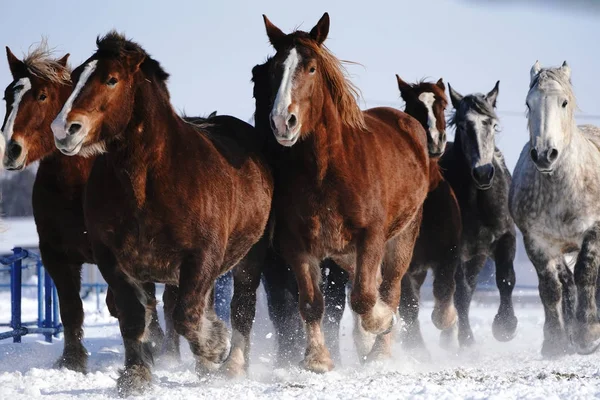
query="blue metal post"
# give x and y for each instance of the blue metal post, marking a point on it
(40, 290)
(15, 295)
(55, 314)
(48, 305)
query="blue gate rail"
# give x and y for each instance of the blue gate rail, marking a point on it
(48, 317)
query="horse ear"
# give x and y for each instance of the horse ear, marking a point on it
(535, 69)
(135, 60)
(63, 61)
(320, 30)
(14, 63)
(493, 94)
(212, 114)
(405, 88)
(566, 69)
(440, 84)
(455, 97)
(275, 34)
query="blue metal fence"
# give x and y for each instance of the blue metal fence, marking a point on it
(48, 322)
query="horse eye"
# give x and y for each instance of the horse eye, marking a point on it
(485, 122)
(42, 97)
(112, 81)
(312, 70)
(564, 105)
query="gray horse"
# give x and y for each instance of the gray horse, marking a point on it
(554, 202)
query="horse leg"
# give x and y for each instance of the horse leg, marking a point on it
(587, 334)
(156, 335)
(466, 281)
(569, 298)
(444, 315)
(246, 278)
(409, 309)
(505, 322)
(334, 289)
(550, 288)
(67, 279)
(398, 254)
(208, 338)
(282, 299)
(376, 316)
(311, 304)
(131, 303)
(170, 347)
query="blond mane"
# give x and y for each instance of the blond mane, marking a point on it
(345, 94)
(40, 62)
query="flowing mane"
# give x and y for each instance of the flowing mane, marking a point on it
(41, 63)
(345, 94)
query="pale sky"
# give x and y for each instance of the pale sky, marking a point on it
(209, 48)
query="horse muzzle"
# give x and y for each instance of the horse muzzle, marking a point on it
(483, 176)
(544, 160)
(15, 156)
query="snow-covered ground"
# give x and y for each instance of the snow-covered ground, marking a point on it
(491, 370)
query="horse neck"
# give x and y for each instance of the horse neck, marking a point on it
(323, 147)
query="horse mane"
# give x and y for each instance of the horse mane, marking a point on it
(345, 94)
(475, 101)
(117, 45)
(40, 62)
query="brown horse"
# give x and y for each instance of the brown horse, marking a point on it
(437, 247)
(40, 86)
(351, 187)
(170, 201)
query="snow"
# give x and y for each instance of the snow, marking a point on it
(17, 232)
(491, 370)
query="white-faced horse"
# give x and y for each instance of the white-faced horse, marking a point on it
(554, 201)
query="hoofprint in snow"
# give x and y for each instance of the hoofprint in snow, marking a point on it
(491, 370)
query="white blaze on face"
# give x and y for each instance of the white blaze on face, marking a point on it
(428, 99)
(24, 84)
(485, 138)
(547, 119)
(283, 99)
(59, 124)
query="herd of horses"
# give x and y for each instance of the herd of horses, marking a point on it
(318, 196)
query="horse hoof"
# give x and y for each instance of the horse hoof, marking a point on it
(74, 360)
(318, 361)
(444, 318)
(235, 365)
(587, 340)
(134, 380)
(380, 320)
(448, 338)
(217, 343)
(504, 327)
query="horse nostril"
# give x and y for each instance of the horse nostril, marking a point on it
(272, 123)
(552, 155)
(74, 128)
(291, 122)
(14, 150)
(491, 173)
(534, 155)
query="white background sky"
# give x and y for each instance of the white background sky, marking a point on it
(210, 47)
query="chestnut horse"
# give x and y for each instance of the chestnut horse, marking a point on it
(438, 244)
(350, 186)
(170, 201)
(40, 86)
(280, 285)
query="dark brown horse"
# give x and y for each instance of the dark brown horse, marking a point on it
(351, 187)
(40, 86)
(437, 247)
(170, 201)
